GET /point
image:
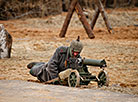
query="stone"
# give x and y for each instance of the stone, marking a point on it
(5, 43)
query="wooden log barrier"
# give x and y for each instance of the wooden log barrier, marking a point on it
(101, 8)
(83, 20)
(96, 15)
(68, 18)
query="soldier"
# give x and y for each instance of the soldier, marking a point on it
(48, 71)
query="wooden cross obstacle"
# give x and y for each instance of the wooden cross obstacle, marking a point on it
(75, 6)
(100, 9)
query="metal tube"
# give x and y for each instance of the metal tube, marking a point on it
(92, 62)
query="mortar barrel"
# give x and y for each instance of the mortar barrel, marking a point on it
(92, 62)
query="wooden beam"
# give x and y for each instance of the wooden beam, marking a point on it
(96, 15)
(101, 8)
(83, 20)
(68, 18)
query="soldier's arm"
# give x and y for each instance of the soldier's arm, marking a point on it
(53, 64)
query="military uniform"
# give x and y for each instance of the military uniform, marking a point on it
(47, 71)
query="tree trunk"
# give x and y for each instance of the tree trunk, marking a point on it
(134, 2)
(5, 43)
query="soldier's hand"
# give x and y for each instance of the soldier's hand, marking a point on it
(64, 74)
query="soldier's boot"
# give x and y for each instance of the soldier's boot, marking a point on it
(30, 65)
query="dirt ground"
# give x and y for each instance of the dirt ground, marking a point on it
(23, 91)
(36, 39)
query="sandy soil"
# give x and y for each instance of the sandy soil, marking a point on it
(36, 40)
(23, 91)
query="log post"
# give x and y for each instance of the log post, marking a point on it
(83, 20)
(68, 18)
(95, 17)
(101, 8)
(114, 3)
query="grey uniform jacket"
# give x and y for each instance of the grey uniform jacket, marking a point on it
(56, 64)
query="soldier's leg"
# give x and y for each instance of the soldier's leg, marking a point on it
(30, 65)
(35, 67)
